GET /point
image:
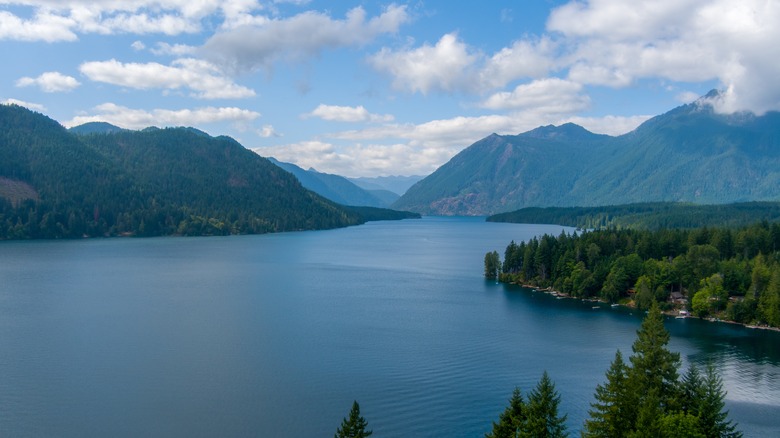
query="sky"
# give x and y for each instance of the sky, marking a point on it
(375, 88)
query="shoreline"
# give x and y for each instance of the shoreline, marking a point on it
(674, 313)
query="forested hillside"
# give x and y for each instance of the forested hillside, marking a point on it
(727, 273)
(175, 181)
(690, 154)
(647, 215)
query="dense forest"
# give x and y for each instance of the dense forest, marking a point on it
(726, 273)
(173, 181)
(653, 216)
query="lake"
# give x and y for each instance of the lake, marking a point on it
(275, 336)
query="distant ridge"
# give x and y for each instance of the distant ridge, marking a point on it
(653, 216)
(689, 154)
(396, 184)
(337, 188)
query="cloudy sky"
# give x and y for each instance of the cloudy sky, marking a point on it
(370, 88)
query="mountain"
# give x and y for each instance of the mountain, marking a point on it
(689, 154)
(54, 184)
(397, 184)
(337, 188)
(95, 128)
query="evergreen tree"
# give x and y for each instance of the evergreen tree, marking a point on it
(691, 391)
(542, 420)
(680, 425)
(653, 366)
(714, 420)
(648, 415)
(354, 426)
(608, 414)
(769, 304)
(510, 421)
(492, 265)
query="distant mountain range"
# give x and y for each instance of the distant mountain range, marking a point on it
(338, 188)
(100, 180)
(397, 184)
(689, 154)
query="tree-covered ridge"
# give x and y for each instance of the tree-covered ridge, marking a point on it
(652, 216)
(725, 273)
(175, 181)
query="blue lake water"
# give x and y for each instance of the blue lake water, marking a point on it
(276, 335)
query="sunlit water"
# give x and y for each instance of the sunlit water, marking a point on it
(275, 335)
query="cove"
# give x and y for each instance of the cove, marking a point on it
(276, 335)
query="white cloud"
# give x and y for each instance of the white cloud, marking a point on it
(173, 49)
(64, 20)
(549, 96)
(347, 114)
(138, 46)
(615, 43)
(687, 97)
(356, 160)
(200, 76)
(441, 67)
(525, 58)
(259, 45)
(28, 105)
(43, 27)
(268, 131)
(451, 65)
(137, 118)
(50, 82)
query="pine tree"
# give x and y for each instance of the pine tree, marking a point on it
(648, 415)
(510, 421)
(608, 414)
(492, 265)
(714, 420)
(680, 425)
(653, 366)
(542, 420)
(691, 391)
(354, 426)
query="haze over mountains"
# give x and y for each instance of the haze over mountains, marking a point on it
(338, 188)
(689, 154)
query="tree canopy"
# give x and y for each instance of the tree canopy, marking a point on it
(353, 426)
(726, 273)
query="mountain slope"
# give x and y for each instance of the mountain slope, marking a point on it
(690, 154)
(502, 173)
(151, 182)
(397, 184)
(336, 188)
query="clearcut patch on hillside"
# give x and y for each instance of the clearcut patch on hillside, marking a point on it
(16, 191)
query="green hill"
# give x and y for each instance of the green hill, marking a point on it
(173, 181)
(653, 216)
(690, 154)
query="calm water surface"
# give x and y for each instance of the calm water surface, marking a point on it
(275, 335)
